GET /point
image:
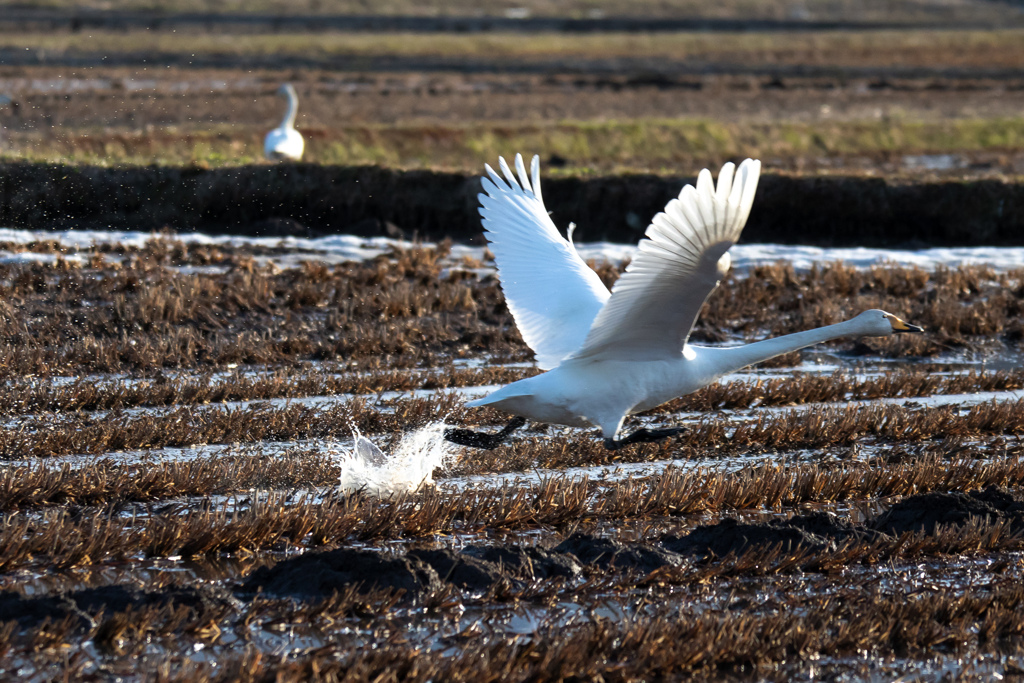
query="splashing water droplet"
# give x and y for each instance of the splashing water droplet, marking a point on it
(366, 467)
(367, 451)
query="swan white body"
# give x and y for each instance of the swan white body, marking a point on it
(284, 142)
(612, 354)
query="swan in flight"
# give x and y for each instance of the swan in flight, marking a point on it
(612, 354)
(284, 142)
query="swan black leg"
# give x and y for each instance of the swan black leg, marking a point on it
(642, 436)
(467, 437)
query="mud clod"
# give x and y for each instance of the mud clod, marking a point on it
(606, 552)
(108, 599)
(821, 531)
(923, 512)
(528, 563)
(320, 574)
(829, 525)
(730, 536)
(466, 572)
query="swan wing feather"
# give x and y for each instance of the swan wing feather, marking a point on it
(552, 294)
(678, 264)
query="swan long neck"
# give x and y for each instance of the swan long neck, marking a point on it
(733, 358)
(293, 108)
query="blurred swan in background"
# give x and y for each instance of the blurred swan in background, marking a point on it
(612, 354)
(284, 142)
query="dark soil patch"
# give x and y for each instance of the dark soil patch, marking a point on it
(817, 531)
(922, 513)
(828, 525)
(477, 568)
(730, 536)
(608, 553)
(527, 563)
(88, 603)
(465, 571)
(320, 574)
(824, 531)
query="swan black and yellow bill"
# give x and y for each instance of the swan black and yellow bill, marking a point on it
(899, 325)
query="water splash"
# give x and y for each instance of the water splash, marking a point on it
(366, 467)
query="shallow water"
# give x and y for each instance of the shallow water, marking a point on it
(340, 248)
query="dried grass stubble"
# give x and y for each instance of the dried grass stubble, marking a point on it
(839, 386)
(407, 308)
(49, 435)
(143, 316)
(23, 396)
(956, 307)
(942, 428)
(61, 538)
(107, 483)
(52, 435)
(19, 397)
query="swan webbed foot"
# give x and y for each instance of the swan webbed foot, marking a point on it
(642, 436)
(467, 437)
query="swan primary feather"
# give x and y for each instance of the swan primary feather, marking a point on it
(612, 354)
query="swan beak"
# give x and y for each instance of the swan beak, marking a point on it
(899, 326)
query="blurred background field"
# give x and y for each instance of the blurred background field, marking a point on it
(811, 87)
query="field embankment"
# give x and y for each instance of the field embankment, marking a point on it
(311, 199)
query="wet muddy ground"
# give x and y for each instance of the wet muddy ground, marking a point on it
(178, 419)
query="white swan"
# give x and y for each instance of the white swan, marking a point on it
(614, 354)
(284, 142)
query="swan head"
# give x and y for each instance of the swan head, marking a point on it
(286, 90)
(879, 323)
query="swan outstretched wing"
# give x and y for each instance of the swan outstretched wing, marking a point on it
(553, 295)
(656, 301)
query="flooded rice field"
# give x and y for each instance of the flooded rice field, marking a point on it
(222, 459)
